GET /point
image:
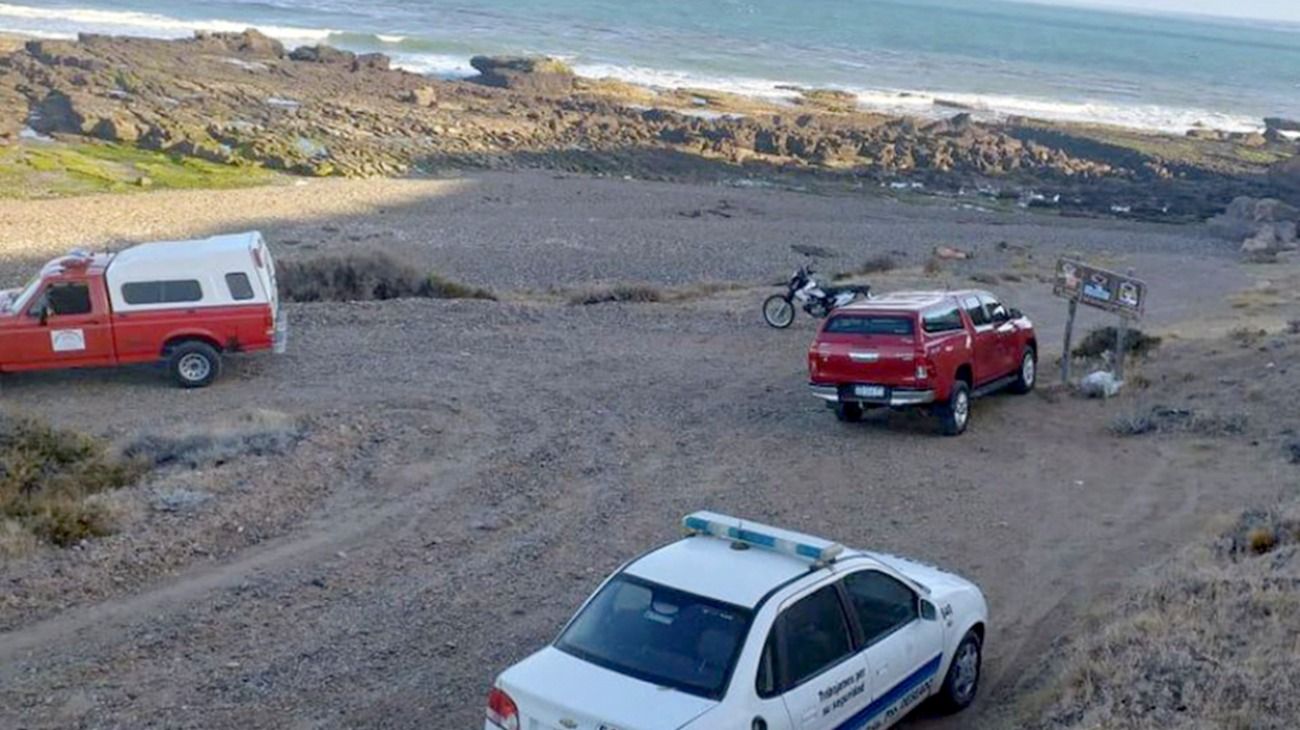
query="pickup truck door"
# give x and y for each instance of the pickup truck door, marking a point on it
(1007, 336)
(986, 356)
(66, 325)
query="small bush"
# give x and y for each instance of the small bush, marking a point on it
(364, 277)
(878, 264)
(1293, 327)
(617, 293)
(47, 476)
(261, 433)
(933, 266)
(1102, 340)
(985, 278)
(1247, 336)
(1261, 540)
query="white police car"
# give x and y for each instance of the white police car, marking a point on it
(741, 626)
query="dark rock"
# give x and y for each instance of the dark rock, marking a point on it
(371, 62)
(322, 54)
(1286, 174)
(1282, 125)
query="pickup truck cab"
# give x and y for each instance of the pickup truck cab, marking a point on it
(932, 349)
(182, 303)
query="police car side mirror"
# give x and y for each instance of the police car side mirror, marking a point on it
(928, 611)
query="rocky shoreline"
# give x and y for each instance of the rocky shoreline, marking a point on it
(243, 99)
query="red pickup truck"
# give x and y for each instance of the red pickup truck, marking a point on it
(933, 349)
(182, 303)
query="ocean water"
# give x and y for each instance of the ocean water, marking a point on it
(927, 57)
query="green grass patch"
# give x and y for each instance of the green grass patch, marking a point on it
(58, 169)
(48, 480)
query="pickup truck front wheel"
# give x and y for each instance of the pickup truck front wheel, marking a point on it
(194, 364)
(1028, 374)
(954, 416)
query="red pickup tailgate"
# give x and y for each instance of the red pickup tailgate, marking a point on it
(870, 348)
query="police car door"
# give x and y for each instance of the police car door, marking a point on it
(903, 649)
(817, 673)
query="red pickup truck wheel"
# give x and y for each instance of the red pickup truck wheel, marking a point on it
(848, 412)
(194, 364)
(1028, 374)
(954, 416)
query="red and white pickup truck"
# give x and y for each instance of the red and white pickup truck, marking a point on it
(183, 303)
(932, 349)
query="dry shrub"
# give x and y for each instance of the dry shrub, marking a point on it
(1247, 336)
(878, 264)
(985, 278)
(48, 477)
(1163, 419)
(1102, 340)
(363, 277)
(1209, 642)
(1293, 327)
(258, 433)
(617, 293)
(933, 266)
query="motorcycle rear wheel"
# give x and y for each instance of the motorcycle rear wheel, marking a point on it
(778, 311)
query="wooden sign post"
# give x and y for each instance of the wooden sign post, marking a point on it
(1121, 294)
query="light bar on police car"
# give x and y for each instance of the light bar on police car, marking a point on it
(764, 536)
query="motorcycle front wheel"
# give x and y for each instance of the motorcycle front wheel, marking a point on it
(778, 310)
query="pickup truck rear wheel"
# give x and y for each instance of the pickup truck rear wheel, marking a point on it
(954, 416)
(1028, 374)
(848, 412)
(194, 364)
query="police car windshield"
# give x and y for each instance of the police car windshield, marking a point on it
(659, 635)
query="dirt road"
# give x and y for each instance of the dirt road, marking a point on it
(473, 469)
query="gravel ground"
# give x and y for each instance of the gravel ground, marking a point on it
(534, 230)
(471, 470)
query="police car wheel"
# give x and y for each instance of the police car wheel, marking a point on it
(848, 412)
(194, 364)
(962, 681)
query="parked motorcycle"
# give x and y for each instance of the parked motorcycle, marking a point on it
(817, 299)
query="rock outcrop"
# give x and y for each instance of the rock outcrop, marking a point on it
(238, 98)
(534, 74)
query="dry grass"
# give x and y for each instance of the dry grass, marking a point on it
(617, 293)
(1163, 419)
(48, 480)
(1210, 643)
(363, 277)
(258, 433)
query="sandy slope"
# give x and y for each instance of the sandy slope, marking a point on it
(473, 469)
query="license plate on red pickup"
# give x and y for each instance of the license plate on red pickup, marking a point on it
(869, 391)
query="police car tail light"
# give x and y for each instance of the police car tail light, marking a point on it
(762, 536)
(501, 710)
